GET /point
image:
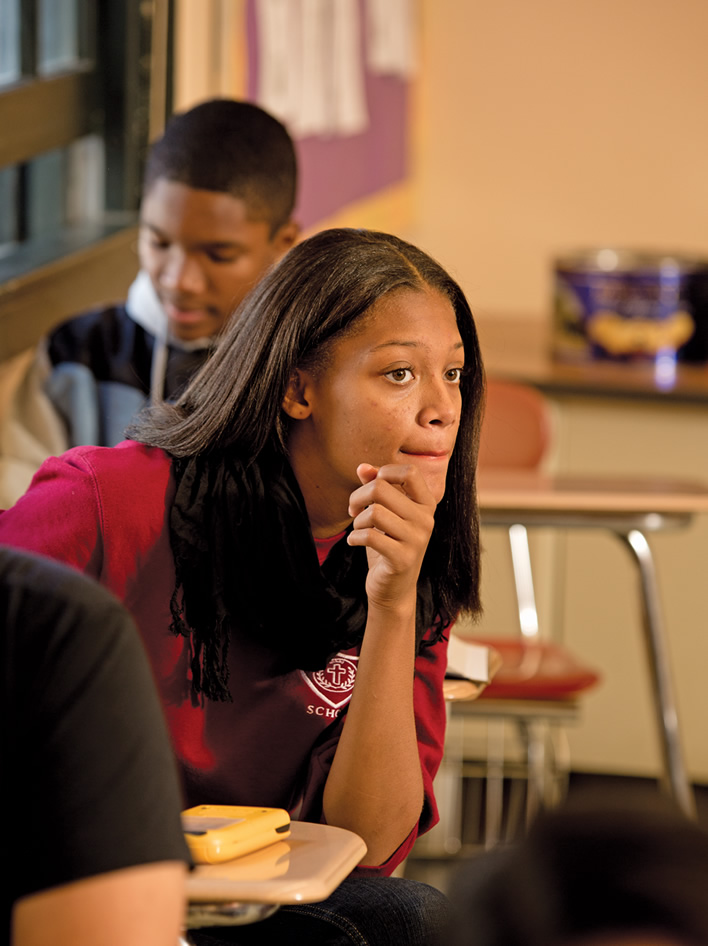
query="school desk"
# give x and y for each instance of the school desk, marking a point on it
(629, 508)
(305, 868)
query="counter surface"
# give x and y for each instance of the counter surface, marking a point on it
(518, 348)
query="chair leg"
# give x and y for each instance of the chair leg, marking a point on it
(523, 580)
(658, 656)
(560, 747)
(494, 782)
(515, 809)
(536, 768)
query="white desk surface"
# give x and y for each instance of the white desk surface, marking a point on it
(501, 490)
(305, 868)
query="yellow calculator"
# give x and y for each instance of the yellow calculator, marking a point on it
(216, 833)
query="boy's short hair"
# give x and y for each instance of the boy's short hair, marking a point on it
(231, 147)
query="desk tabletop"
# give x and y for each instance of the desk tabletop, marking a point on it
(502, 491)
(305, 868)
(520, 349)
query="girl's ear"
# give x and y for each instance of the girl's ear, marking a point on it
(295, 402)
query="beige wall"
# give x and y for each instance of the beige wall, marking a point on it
(550, 125)
(600, 599)
(590, 594)
(544, 127)
(210, 58)
(539, 127)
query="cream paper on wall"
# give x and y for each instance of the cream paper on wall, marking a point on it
(311, 70)
(390, 38)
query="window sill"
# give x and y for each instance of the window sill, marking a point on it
(49, 281)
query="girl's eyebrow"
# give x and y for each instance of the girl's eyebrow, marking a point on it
(396, 343)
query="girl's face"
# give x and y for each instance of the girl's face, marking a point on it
(389, 393)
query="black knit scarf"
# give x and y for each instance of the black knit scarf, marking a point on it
(245, 560)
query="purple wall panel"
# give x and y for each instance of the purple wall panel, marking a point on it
(336, 171)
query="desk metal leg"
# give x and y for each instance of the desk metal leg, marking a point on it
(537, 771)
(494, 800)
(216, 916)
(657, 652)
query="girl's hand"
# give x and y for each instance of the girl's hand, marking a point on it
(393, 514)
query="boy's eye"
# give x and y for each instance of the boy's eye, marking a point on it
(222, 254)
(400, 374)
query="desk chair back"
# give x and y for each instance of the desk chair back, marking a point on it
(517, 435)
(537, 685)
(517, 428)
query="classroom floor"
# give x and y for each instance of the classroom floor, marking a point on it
(438, 871)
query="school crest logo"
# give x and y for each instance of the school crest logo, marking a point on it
(334, 684)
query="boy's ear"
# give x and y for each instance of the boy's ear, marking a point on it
(295, 402)
(286, 237)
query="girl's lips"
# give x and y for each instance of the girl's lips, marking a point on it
(429, 454)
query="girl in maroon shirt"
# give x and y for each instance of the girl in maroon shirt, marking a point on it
(341, 408)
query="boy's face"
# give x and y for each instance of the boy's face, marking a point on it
(204, 253)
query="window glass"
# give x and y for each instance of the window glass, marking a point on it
(8, 199)
(85, 70)
(58, 39)
(45, 193)
(65, 187)
(85, 180)
(9, 41)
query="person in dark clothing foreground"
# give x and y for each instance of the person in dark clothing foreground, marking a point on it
(93, 841)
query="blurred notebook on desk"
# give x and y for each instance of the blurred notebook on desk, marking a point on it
(467, 660)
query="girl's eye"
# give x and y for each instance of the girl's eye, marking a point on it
(399, 375)
(454, 374)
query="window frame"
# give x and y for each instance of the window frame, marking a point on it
(124, 93)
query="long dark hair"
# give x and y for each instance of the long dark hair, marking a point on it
(315, 295)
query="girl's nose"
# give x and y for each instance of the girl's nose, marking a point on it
(441, 405)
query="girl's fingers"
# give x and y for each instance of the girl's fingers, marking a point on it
(399, 556)
(366, 472)
(409, 479)
(394, 515)
(393, 486)
(389, 522)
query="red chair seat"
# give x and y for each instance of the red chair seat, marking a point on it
(538, 670)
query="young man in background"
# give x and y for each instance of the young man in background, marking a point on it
(216, 213)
